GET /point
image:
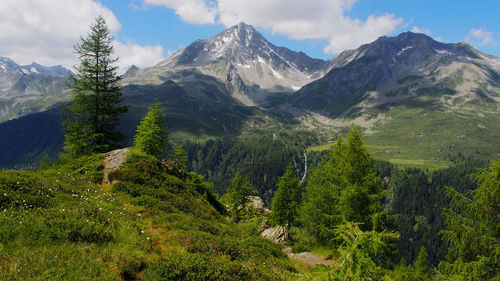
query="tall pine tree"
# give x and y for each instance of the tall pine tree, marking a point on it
(91, 118)
(343, 188)
(286, 200)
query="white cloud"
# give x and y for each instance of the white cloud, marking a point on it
(301, 19)
(134, 54)
(191, 11)
(297, 19)
(45, 31)
(480, 37)
(354, 33)
(425, 31)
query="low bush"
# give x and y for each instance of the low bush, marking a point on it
(200, 267)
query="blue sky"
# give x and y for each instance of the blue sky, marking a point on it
(147, 31)
(447, 21)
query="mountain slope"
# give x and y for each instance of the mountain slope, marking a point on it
(241, 59)
(156, 223)
(24, 140)
(30, 88)
(409, 65)
(416, 97)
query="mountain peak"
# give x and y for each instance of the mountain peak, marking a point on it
(239, 42)
(131, 70)
(6, 60)
(241, 57)
(243, 25)
(241, 34)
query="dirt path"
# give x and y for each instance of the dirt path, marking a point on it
(307, 257)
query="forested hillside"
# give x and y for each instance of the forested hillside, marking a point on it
(261, 159)
(419, 199)
(158, 221)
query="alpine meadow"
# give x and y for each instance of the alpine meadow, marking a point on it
(233, 158)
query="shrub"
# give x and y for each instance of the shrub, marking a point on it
(152, 203)
(199, 267)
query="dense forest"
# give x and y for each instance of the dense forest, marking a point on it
(416, 196)
(408, 202)
(260, 159)
(419, 200)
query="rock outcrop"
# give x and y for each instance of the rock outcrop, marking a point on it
(277, 234)
(112, 161)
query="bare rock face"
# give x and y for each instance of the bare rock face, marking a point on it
(256, 203)
(112, 161)
(277, 234)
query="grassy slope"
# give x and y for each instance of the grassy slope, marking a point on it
(421, 134)
(425, 137)
(155, 223)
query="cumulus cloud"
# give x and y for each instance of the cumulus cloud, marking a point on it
(297, 19)
(425, 31)
(353, 33)
(480, 37)
(191, 11)
(134, 54)
(45, 31)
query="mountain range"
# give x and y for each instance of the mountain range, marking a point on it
(243, 60)
(30, 88)
(413, 96)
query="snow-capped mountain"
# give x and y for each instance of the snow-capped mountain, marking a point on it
(9, 68)
(406, 91)
(392, 69)
(30, 88)
(241, 58)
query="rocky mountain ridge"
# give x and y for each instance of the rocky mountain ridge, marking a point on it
(397, 68)
(26, 89)
(404, 91)
(9, 68)
(243, 60)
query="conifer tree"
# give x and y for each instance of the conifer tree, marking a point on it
(152, 137)
(422, 266)
(362, 253)
(239, 196)
(286, 201)
(473, 229)
(45, 162)
(343, 188)
(91, 118)
(180, 156)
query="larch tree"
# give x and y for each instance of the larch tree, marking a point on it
(152, 136)
(238, 196)
(473, 229)
(422, 266)
(91, 118)
(180, 157)
(343, 188)
(286, 201)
